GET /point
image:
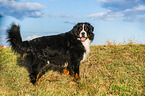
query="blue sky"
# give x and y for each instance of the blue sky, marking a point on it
(117, 20)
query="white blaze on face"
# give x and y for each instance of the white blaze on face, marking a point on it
(83, 33)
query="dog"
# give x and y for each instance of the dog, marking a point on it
(66, 50)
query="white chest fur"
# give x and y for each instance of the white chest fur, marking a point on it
(86, 45)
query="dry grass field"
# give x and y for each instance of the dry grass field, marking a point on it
(109, 70)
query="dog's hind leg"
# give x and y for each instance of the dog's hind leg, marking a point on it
(33, 77)
(35, 74)
(33, 69)
(37, 77)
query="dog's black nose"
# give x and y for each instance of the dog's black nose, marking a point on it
(83, 34)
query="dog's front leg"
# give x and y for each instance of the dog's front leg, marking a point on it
(76, 71)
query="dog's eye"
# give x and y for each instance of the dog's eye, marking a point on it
(80, 29)
(86, 29)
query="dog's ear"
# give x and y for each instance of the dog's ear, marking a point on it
(75, 29)
(91, 28)
(91, 36)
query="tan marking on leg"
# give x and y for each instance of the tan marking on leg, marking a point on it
(24, 55)
(37, 79)
(77, 77)
(41, 72)
(66, 71)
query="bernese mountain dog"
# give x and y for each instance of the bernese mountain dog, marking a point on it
(66, 50)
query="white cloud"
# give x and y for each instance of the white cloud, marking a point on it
(141, 7)
(98, 15)
(119, 5)
(20, 10)
(60, 15)
(31, 37)
(70, 22)
(106, 15)
(138, 8)
(24, 10)
(113, 16)
(127, 10)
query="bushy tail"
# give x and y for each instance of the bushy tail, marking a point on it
(15, 40)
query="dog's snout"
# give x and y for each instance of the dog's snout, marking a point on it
(83, 34)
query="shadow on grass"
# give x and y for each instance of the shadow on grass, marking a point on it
(21, 62)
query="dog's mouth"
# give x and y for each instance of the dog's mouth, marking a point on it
(82, 38)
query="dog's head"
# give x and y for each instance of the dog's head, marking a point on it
(83, 31)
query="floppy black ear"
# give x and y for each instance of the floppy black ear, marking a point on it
(91, 36)
(75, 29)
(91, 27)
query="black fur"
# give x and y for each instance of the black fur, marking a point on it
(55, 50)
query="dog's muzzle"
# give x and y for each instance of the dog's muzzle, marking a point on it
(82, 36)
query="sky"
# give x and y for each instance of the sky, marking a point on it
(113, 20)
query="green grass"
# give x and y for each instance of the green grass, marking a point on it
(108, 70)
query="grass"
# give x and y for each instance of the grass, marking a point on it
(109, 70)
